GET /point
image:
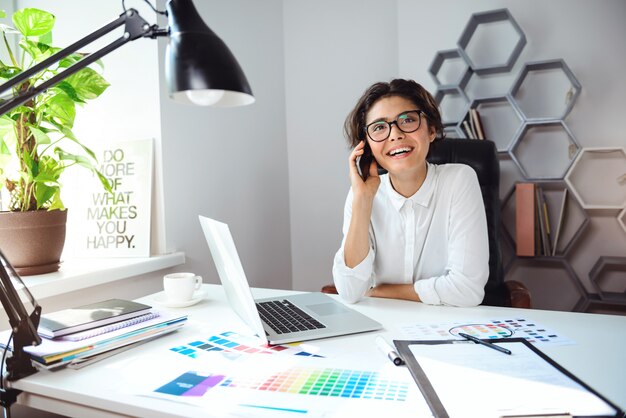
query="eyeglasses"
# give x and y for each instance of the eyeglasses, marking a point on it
(407, 122)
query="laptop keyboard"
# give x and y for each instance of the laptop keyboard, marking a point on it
(283, 317)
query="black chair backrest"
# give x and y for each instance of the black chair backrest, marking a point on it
(482, 156)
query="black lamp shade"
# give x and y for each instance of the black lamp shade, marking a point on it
(199, 67)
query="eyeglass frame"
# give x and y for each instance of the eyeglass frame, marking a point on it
(420, 113)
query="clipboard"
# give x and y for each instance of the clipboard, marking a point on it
(459, 378)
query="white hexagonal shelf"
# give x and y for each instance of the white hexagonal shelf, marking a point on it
(598, 178)
(491, 41)
(450, 68)
(544, 150)
(545, 90)
(621, 218)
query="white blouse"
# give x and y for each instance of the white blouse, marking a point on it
(436, 239)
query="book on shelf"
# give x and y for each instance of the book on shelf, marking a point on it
(525, 209)
(468, 130)
(470, 119)
(543, 224)
(560, 221)
(478, 125)
(93, 315)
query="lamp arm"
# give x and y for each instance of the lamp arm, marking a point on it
(24, 325)
(136, 27)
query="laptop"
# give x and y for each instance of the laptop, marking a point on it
(282, 319)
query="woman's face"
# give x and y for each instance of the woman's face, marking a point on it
(402, 152)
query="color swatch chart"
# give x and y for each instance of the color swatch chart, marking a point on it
(330, 382)
(231, 342)
(504, 328)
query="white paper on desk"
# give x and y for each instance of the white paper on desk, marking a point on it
(240, 397)
(474, 381)
(516, 328)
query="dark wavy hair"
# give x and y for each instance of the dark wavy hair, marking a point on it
(354, 126)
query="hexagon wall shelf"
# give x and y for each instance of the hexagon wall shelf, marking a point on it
(453, 132)
(593, 304)
(536, 141)
(454, 104)
(608, 277)
(575, 219)
(473, 46)
(561, 281)
(598, 178)
(621, 218)
(527, 124)
(545, 90)
(450, 68)
(509, 175)
(500, 119)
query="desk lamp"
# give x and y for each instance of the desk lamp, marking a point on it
(199, 69)
(23, 324)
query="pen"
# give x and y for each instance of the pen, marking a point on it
(388, 351)
(486, 344)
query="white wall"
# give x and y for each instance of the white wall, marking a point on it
(331, 55)
(231, 164)
(276, 170)
(327, 69)
(586, 37)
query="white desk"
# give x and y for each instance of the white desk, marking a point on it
(597, 357)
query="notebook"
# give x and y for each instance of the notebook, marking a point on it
(93, 315)
(316, 315)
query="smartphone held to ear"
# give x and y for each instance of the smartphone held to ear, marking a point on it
(365, 161)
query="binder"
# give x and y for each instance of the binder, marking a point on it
(452, 373)
(525, 223)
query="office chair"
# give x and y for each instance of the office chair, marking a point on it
(482, 156)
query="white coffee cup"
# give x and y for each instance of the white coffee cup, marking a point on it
(179, 287)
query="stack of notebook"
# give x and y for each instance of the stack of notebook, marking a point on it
(73, 335)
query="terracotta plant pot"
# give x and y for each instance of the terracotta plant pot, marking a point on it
(33, 241)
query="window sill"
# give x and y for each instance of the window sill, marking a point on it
(77, 274)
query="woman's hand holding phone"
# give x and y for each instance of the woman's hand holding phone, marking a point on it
(366, 184)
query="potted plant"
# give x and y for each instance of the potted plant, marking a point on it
(37, 143)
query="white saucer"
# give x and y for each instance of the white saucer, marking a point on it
(161, 299)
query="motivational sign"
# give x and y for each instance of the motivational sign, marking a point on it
(117, 224)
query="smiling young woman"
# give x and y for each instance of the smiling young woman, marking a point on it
(418, 232)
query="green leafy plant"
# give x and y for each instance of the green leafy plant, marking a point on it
(36, 139)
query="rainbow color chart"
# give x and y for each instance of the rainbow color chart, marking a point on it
(231, 342)
(329, 382)
(511, 327)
